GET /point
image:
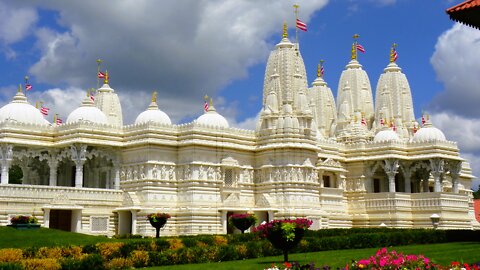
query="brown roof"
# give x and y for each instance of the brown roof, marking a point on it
(467, 13)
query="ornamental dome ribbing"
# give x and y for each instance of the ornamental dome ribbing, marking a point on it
(429, 133)
(87, 112)
(212, 118)
(19, 110)
(386, 134)
(153, 114)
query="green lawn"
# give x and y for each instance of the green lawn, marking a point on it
(439, 253)
(13, 238)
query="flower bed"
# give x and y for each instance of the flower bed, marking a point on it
(24, 222)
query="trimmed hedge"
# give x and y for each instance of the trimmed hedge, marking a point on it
(213, 248)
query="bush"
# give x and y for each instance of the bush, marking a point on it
(9, 255)
(92, 262)
(119, 263)
(157, 259)
(10, 266)
(71, 264)
(109, 250)
(44, 264)
(139, 258)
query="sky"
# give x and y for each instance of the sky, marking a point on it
(185, 49)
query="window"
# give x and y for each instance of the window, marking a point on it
(99, 224)
(228, 177)
(326, 181)
(376, 185)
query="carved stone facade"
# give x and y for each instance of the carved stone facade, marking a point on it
(311, 156)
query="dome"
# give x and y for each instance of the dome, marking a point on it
(386, 134)
(153, 114)
(429, 133)
(19, 110)
(212, 118)
(87, 112)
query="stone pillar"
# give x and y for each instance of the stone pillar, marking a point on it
(78, 156)
(437, 166)
(134, 221)
(407, 175)
(53, 164)
(223, 217)
(46, 218)
(320, 178)
(455, 169)
(391, 169)
(116, 179)
(6, 156)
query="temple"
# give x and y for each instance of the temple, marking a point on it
(347, 162)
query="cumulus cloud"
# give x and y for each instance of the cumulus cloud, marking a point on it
(456, 61)
(15, 24)
(182, 49)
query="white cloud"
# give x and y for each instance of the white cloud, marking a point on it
(182, 49)
(15, 24)
(456, 112)
(59, 101)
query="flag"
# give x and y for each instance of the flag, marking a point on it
(92, 97)
(382, 122)
(205, 106)
(101, 75)
(322, 71)
(59, 121)
(301, 25)
(360, 48)
(28, 87)
(364, 122)
(44, 110)
(423, 120)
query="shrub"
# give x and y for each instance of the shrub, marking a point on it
(51, 253)
(227, 253)
(241, 251)
(161, 244)
(10, 266)
(109, 250)
(219, 240)
(71, 264)
(175, 243)
(118, 263)
(44, 264)
(139, 258)
(92, 262)
(72, 252)
(8, 255)
(157, 259)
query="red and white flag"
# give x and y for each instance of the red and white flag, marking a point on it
(92, 97)
(101, 75)
(28, 87)
(322, 71)
(301, 25)
(205, 106)
(423, 120)
(360, 48)
(364, 122)
(44, 110)
(59, 121)
(382, 122)
(394, 55)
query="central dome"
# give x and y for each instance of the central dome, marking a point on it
(153, 114)
(386, 134)
(87, 112)
(429, 133)
(19, 110)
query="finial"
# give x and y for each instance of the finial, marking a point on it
(211, 102)
(36, 104)
(99, 61)
(19, 90)
(354, 46)
(26, 79)
(320, 69)
(88, 92)
(105, 81)
(154, 96)
(206, 98)
(285, 32)
(393, 53)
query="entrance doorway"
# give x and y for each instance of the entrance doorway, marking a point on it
(124, 222)
(61, 220)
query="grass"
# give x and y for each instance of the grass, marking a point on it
(13, 238)
(443, 254)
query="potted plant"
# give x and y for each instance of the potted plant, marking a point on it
(242, 221)
(158, 220)
(284, 234)
(24, 222)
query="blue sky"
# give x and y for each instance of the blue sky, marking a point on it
(186, 49)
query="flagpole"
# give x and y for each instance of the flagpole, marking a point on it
(99, 61)
(354, 49)
(296, 18)
(26, 83)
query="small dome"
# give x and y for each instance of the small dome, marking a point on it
(429, 133)
(20, 110)
(153, 114)
(87, 112)
(212, 118)
(386, 134)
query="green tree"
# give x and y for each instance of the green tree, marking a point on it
(15, 175)
(476, 194)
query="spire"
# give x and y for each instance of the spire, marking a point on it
(354, 46)
(19, 90)
(393, 53)
(285, 32)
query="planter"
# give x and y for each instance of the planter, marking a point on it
(158, 225)
(25, 226)
(279, 241)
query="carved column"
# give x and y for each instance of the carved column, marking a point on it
(116, 176)
(407, 175)
(53, 164)
(78, 156)
(437, 166)
(6, 156)
(455, 168)
(391, 169)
